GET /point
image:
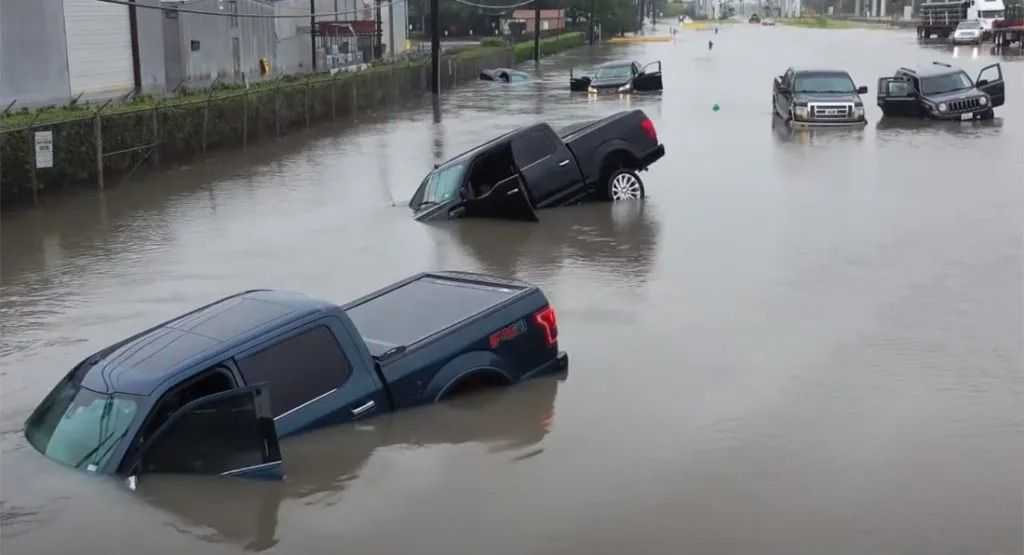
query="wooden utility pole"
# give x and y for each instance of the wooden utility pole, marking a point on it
(590, 18)
(312, 33)
(536, 30)
(435, 48)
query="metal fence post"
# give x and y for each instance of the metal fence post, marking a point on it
(2, 137)
(305, 101)
(355, 95)
(277, 111)
(156, 134)
(245, 119)
(32, 164)
(334, 107)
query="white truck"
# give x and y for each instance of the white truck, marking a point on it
(986, 12)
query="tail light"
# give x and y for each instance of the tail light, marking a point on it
(548, 322)
(648, 127)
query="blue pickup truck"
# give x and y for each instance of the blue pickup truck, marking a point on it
(210, 392)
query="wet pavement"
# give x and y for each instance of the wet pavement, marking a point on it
(802, 342)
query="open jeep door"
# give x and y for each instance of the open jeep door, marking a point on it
(578, 84)
(897, 97)
(990, 80)
(508, 199)
(230, 433)
(649, 78)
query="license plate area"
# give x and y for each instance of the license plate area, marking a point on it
(966, 117)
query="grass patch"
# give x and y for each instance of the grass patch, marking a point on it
(830, 23)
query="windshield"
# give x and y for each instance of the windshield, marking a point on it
(946, 83)
(992, 14)
(969, 25)
(613, 72)
(442, 184)
(78, 426)
(824, 83)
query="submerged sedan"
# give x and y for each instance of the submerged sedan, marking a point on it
(618, 77)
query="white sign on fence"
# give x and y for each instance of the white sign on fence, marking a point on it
(44, 149)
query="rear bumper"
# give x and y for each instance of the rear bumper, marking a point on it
(653, 156)
(557, 365)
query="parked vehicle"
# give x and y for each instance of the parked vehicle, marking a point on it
(940, 19)
(942, 91)
(504, 75)
(968, 32)
(754, 18)
(619, 77)
(211, 392)
(533, 167)
(818, 97)
(768, 22)
(988, 13)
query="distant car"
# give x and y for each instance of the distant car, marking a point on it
(618, 77)
(968, 32)
(534, 167)
(504, 75)
(818, 97)
(942, 91)
(769, 22)
(211, 391)
(754, 18)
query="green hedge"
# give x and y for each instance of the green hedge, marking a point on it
(524, 50)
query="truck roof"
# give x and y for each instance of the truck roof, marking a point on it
(822, 71)
(140, 363)
(931, 70)
(414, 309)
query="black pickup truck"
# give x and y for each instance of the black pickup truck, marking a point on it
(941, 91)
(211, 391)
(533, 167)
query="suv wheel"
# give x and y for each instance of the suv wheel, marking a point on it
(624, 184)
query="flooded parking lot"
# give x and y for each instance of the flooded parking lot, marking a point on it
(803, 341)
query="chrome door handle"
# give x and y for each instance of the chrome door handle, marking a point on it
(363, 408)
(563, 163)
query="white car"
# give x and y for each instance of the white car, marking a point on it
(968, 32)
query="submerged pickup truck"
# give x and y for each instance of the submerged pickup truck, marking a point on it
(211, 392)
(534, 167)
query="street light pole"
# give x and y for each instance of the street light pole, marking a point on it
(435, 48)
(312, 33)
(590, 19)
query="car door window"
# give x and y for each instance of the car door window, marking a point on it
(898, 88)
(532, 145)
(991, 74)
(218, 434)
(300, 368)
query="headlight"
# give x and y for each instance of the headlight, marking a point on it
(858, 112)
(800, 112)
(626, 88)
(983, 101)
(943, 107)
(591, 90)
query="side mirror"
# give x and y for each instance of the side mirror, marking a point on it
(982, 83)
(862, 90)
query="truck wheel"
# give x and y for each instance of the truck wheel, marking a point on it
(625, 184)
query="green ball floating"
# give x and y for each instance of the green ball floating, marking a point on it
(715, 108)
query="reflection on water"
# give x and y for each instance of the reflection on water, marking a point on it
(321, 465)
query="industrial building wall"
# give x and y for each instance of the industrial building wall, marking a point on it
(99, 47)
(33, 52)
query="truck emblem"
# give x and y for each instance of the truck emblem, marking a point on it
(507, 333)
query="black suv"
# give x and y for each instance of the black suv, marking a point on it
(818, 97)
(942, 91)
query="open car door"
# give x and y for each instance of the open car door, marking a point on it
(649, 78)
(507, 199)
(230, 433)
(896, 96)
(578, 84)
(990, 80)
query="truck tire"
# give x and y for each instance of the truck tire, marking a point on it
(624, 184)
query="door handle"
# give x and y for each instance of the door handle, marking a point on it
(358, 411)
(563, 163)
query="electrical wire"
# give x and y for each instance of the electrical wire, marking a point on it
(253, 15)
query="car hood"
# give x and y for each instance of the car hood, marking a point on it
(955, 95)
(826, 97)
(608, 83)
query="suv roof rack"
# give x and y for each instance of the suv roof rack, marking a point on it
(908, 70)
(943, 64)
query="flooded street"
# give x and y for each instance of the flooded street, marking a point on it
(801, 342)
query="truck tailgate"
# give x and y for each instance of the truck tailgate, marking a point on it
(418, 308)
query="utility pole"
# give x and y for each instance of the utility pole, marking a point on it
(591, 20)
(435, 48)
(536, 31)
(312, 33)
(380, 33)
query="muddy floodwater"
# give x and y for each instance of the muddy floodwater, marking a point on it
(802, 342)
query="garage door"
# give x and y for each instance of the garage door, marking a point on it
(99, 46)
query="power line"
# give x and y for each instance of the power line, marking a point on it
(306, 15)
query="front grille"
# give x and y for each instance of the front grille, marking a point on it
(828, 112)
(965, 105)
